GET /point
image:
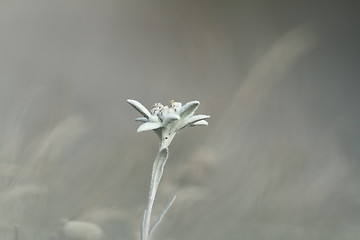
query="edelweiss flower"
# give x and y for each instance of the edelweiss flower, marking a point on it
(166, 121)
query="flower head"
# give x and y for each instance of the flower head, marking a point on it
(166, 121)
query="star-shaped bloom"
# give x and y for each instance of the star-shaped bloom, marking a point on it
(166, 121)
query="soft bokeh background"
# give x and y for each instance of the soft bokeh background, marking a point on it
(280, 79)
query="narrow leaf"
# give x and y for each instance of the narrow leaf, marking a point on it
(148, 126)
(170, 118)
(162, 214)
(173, 116)
(141, 119)
(199, 123)
(158, 168)
(189, 108)
(139, 107)
(192, 120)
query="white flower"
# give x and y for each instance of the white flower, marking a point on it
(166, 121)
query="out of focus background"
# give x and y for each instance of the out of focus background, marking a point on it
(280, 158)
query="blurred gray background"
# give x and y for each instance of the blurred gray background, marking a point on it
(280, 79)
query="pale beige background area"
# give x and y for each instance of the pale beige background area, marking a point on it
(280, 79)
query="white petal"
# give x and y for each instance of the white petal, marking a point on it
(139, 107)
(154, 118)
(189, 108)
(199, 123)
(149, 126)
(192, 120)
(170, 118)
(142, 119)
